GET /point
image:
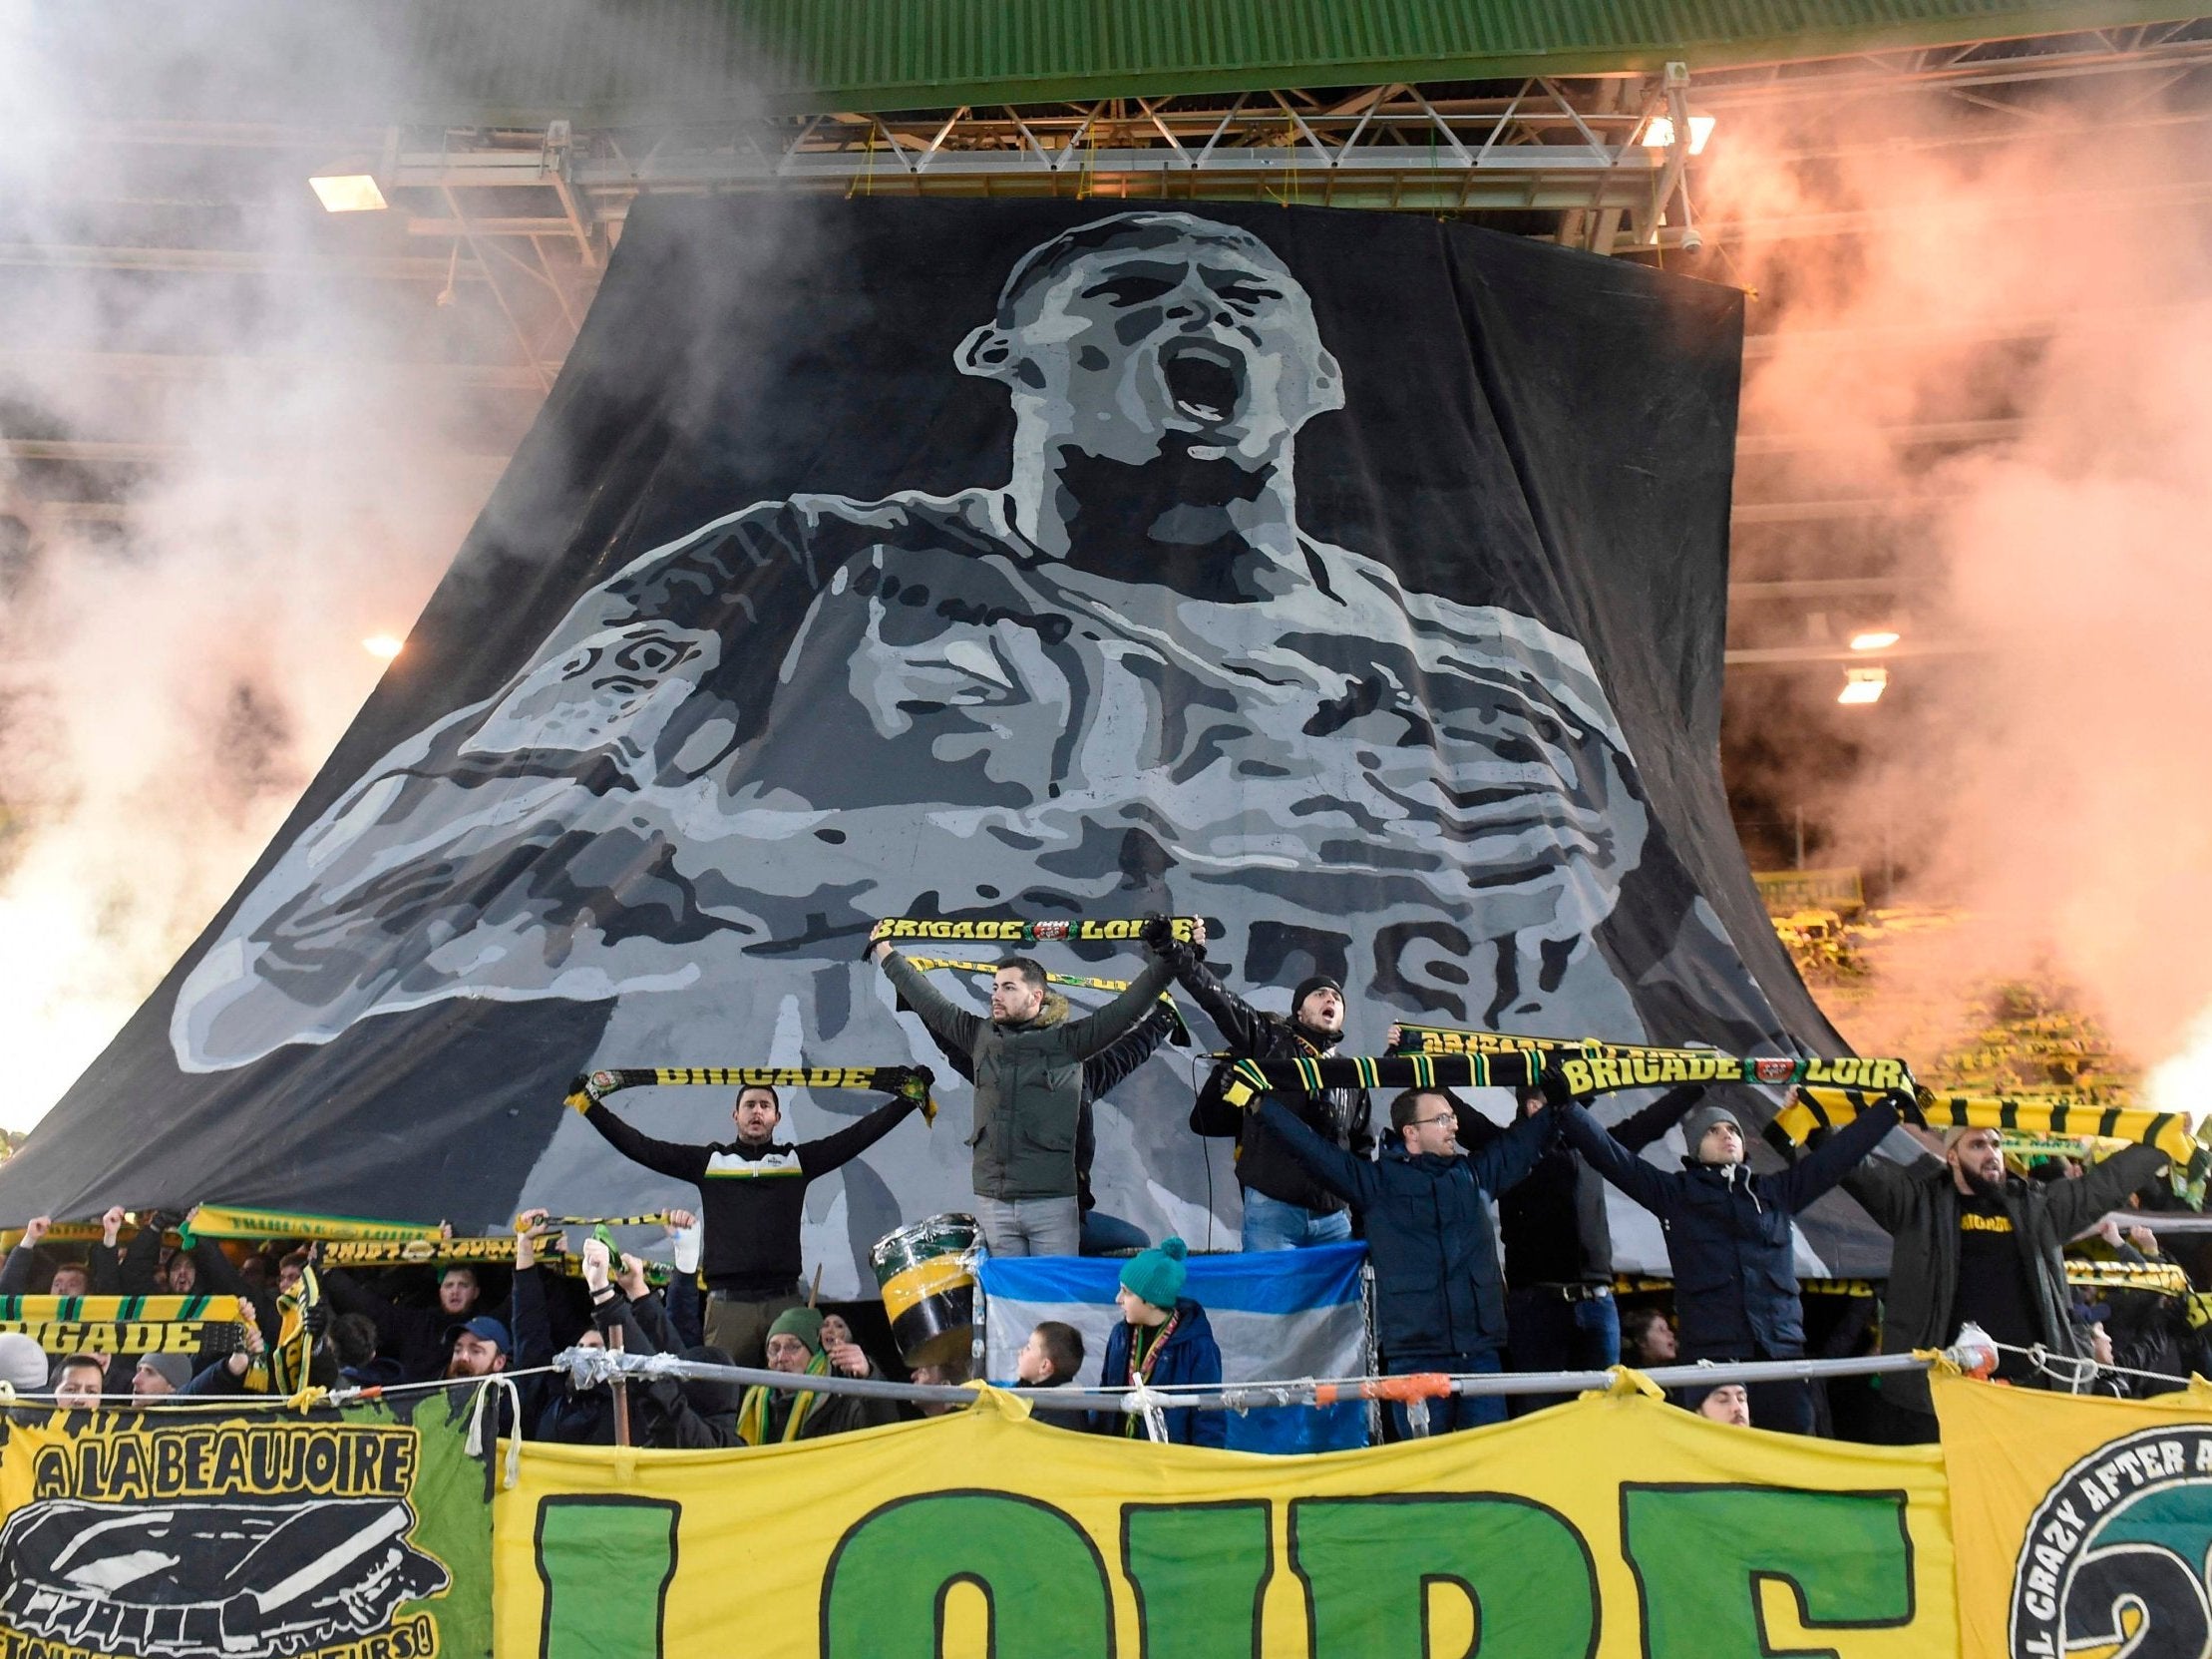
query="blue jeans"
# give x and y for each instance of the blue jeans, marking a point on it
(1271, 1224)
(1544, 1331)
(1460, 1410)
(1109, 1235)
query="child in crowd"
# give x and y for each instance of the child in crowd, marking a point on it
(1051, 1357)
(1163, 1338)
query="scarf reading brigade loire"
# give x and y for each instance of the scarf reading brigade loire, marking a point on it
(1585, 1068)
(116, 1324)
(1016, 930)
(1830, 1092)
(1179, 1034)
(910, 1082)
(1818, 1108)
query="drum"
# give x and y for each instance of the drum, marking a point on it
(929, 1288)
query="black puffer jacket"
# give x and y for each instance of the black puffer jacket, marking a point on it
(1437, 1286)
(1728, 1235)
(1341, 1116)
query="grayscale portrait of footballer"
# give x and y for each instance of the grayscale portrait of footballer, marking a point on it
(1123, 679)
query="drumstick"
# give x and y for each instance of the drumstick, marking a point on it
(814, 1291)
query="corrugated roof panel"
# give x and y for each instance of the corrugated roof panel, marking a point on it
(644, 59)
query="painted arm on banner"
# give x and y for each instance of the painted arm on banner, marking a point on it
(819, 1157)
(1639, 1129)
(663, 1158)
(1504, 1163)
(1648, 1187)
(1837, 1155)
(1355, 1180)
(1102, 1027)
(2073, 1205)
(948, 1023)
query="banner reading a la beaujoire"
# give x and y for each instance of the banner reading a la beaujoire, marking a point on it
(1616, 1525)
(262, 1535)
(2085, 1526)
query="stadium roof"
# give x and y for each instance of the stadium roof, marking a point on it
(506, 61)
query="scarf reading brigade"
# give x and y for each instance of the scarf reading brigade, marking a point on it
(116, 1324)
(1179, 1034)
(1016, 930)
(1585, 1069)
(910, 1082)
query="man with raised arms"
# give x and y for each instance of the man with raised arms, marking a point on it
(1026, 1061)
(752, 1198)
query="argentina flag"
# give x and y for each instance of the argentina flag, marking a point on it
(1278, 1314)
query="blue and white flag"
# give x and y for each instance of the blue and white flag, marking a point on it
(1276, 1314)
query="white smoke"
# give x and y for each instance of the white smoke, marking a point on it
(173, 671)
(2053, 780)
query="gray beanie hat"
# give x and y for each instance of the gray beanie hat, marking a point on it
(22, 1363)
(173, 1368)
(1701, 1119)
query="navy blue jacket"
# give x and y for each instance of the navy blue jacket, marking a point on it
(1729, 1234)
(1427, 1221)
(1190, 1355)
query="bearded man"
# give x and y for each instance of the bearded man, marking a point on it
(1971, 1241)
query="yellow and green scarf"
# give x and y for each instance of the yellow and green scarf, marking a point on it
(751, 1413)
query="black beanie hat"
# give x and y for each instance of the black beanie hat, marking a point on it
(1307, 985)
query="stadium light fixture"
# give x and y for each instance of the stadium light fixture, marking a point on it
(1875, 638)
(382, 644)
(1863, 686)
(351, 192)
(1659, 133)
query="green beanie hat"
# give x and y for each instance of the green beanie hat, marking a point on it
(803, 1322)
(1157, 1275)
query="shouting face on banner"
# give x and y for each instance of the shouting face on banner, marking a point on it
(1127, 673)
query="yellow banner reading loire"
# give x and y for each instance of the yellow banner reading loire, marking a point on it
(1617, 1526)
(2083, 1526)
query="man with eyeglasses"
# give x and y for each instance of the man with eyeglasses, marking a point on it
(1425, 1207)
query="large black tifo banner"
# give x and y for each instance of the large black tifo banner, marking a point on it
(1354, 580)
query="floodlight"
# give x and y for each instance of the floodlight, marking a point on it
(356, 193)
(1875, 638)
(1863, 686)
(381, 644)
(1659, 132)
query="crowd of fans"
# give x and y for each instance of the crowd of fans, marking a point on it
(1976, 1243)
